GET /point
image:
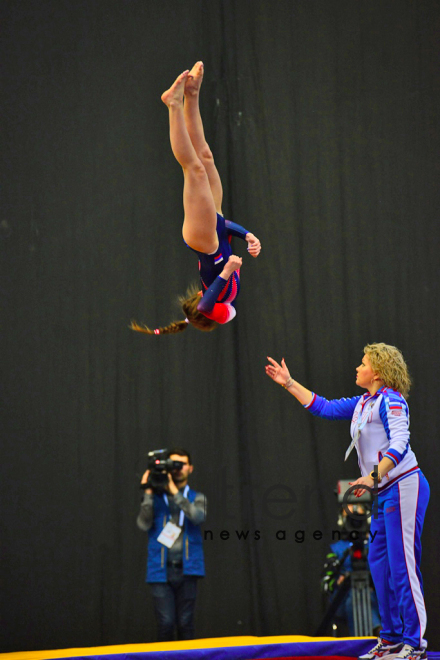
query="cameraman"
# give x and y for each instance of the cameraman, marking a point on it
(173, 571)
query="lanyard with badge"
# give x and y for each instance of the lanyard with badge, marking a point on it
(362, 420)
(171, 532)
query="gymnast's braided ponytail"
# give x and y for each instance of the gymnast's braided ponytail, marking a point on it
(193, 316)
(171, 329)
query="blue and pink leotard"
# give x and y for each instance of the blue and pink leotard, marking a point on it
(218, 300)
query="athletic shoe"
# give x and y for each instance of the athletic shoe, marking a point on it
(383, 649)
(410, 653)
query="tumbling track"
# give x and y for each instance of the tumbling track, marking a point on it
(224, 648)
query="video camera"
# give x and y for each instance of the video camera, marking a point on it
(355, 512)
(160, 465)
(354, 523)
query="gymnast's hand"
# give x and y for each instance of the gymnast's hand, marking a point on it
(278, 372)
(232, 264)
(254, 245)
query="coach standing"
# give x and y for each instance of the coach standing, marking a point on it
(380, 433)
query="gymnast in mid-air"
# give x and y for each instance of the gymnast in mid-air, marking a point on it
(204, 230)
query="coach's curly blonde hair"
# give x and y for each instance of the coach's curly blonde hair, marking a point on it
(189, 304)
(387, 361)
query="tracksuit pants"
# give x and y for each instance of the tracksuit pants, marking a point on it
(394, 557)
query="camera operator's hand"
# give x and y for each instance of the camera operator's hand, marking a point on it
(144, 481)
(172, 488)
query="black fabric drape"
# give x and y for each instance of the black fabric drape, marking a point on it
(323, 117)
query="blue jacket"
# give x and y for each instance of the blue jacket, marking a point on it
(193, 560)
(380, 423)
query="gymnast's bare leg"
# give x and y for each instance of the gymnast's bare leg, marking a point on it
(200, 222)
(194, 124)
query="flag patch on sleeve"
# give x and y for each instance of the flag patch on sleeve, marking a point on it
(396, 410)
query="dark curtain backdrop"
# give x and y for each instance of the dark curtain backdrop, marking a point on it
(323, 117)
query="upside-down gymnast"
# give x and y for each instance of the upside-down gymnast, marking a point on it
(380, 433)
(204, 229)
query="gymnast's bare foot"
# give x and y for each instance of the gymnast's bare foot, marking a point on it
(194, 80)
(174, 95)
